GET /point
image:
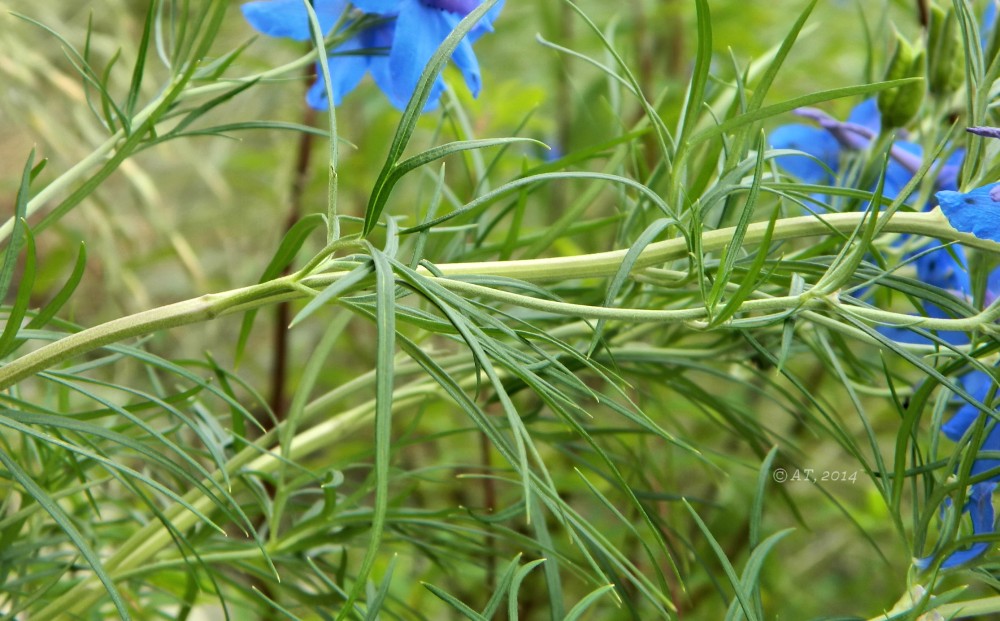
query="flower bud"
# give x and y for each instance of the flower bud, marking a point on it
(945, 62)
(898, 105)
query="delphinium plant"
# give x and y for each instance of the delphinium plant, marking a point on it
(442, 309)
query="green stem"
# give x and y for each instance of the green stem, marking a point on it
(196, 310)
(108, 147)
(596, 265)
(958, 610)
(972, 608)
(929, 224)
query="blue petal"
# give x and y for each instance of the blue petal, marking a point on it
(944, 267)
(956, 426)
(316, 95)
(956, 158)
(419, 32)
(816, 142)
(288, 18)
(964, 556)
(977, 384)
(991, 443)
(346, 70)
(989, 23)
(866, 114)
(976, 212)
(382, 7)
(485, 25)
(465, 59)
(948, 175)
(948, 179)
(980, 508)
(992, 287)
(382, 37)
(897, 175)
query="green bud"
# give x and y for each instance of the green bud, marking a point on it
(898, 105)
(945, 56)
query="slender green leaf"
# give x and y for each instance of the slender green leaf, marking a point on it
(51, 507)
(414, 108)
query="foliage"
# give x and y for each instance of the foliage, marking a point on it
(587, 346)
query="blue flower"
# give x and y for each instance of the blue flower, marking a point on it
(977, 384)
(395, 50)
(421, 26)
(821, 143)
(833, 138)
(976, 212)
(289, 19)
(945, 268)
(811, 140)
(979, 504)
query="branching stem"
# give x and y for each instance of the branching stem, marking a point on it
(597, 265)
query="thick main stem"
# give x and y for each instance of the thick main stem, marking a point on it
(595, 265)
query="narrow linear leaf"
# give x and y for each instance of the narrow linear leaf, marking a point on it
(515, 587)
(414, 108)
(385, 323)
(53, 509)
(8, 339)
(506, 579)
(15, 243)
(744, 601)
(750, 580)
(735, 247)
(283, 257)
(335, 290)
(65, 292)
(459, 606)
(135, 88)
(581, 606)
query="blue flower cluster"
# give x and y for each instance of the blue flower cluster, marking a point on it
(394, 50)
(825, 149)
(978, 212)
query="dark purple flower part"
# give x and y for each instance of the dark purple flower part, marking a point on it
(987, 132)
(833, 138)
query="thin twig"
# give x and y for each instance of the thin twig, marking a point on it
(923, 13)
